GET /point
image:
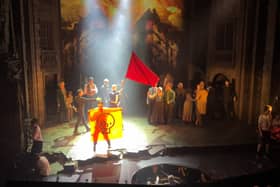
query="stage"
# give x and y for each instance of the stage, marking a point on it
(222, 150)
(138, 134)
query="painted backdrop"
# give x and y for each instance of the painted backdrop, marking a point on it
(155, 29)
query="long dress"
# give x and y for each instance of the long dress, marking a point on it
(202, 101)
(179, 102)
(201, 104)
(158, 110)
(188, 109)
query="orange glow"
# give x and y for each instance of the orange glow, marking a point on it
(169, 12)
(109, 121)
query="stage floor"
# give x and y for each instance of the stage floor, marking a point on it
(200, 148)
(137, 134)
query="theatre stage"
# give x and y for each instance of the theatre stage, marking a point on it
(138, 134)
(221, 149)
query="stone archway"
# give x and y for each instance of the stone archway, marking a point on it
(218, 78)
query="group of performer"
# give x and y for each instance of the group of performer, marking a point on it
(86, 99)
(166, 104)
(160, 104)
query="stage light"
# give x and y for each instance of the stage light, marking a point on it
(107, 43)
(121, 38)
(82, 148)
(133, 138)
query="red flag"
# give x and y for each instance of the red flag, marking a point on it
(139, 72)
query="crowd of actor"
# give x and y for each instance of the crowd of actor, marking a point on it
(85, 99)
(165, 104)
